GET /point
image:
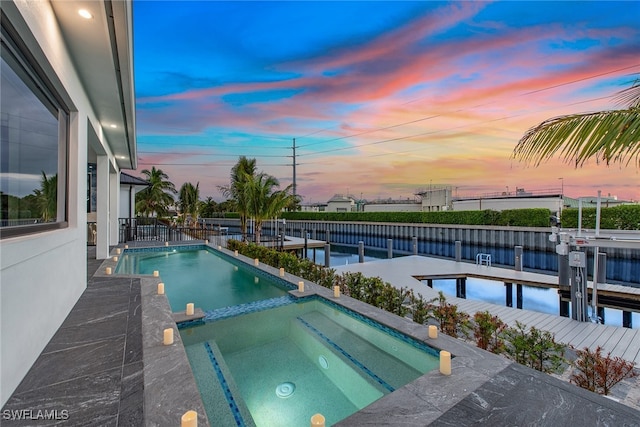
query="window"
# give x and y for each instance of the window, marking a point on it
(33, 147)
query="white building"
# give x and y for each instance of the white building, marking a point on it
(67, 101)
(393, 206)
(553, 202)
(341, 203)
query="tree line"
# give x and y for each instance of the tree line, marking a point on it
(250, 193)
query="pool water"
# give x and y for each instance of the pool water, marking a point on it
(283, 365)
(202, 277)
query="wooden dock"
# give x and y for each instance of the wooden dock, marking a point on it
(409, 271)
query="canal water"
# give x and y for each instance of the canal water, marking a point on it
(543, 300)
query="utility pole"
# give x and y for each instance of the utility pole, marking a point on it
(294, 167)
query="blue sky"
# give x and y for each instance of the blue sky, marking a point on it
(383, 98)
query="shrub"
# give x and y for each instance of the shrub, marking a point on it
(419, 308)
(534, 348)
(623, 217)
(372, 290)
(452, 322)
(599, 373)
(487, 332)
(515, 217)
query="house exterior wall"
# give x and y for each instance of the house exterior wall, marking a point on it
(42, 275)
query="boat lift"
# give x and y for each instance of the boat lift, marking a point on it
(572, 249)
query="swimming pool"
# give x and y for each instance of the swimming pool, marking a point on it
(198, 275)
(281, 366)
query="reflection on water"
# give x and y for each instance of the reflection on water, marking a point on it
(543, 300)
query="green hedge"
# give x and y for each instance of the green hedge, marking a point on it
(623, 217)
(371, 290)
(514, 217)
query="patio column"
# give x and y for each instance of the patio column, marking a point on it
(114, 205)
(103, 211)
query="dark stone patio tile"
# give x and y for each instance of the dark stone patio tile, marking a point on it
(65, 365)
(91, 400)
(88, 332)
(133, 346)
(523, 397)
(97, 308)
(109, 281)
(401, 408)
(131, 412)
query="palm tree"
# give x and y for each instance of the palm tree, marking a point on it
(189, 199)
(157, 197)
(264, 202)
(611, 136)
(208, 207)
(240, 173)
(47, 197)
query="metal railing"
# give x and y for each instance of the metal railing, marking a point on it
(141, 229)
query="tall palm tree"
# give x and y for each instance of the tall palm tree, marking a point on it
(158, 196)
(189, 199)
(611, 136)
(47, 197)
(243, 170)
(264, 201)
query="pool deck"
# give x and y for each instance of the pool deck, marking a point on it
(107, 366)
(404, 271)
(91, 371)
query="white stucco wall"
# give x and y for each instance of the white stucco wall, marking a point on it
(42, 275)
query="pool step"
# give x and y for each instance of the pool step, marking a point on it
(386, 368)
(216, 385)
(360, 389)
(182, 316)
(250, 307)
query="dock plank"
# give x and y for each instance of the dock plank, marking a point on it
(592, 340)
(401, 272)
(625, 341)
(567, 333)
(632, 352)
(609, 343)
(579, 337)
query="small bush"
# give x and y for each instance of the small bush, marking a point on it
(452, 322)
(534, 348)
(419, 308)
(599, 373)
(487, 332)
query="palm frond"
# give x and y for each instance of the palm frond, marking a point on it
(629, 97)
(608, 136)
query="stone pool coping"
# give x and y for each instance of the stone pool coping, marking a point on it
(483, 387)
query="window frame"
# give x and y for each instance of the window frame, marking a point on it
(34, 77)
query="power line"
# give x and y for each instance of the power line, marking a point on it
(466, 108)
(205, 154)
(140, 162)
(439, 131)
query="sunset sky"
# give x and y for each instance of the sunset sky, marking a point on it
(382, 98)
